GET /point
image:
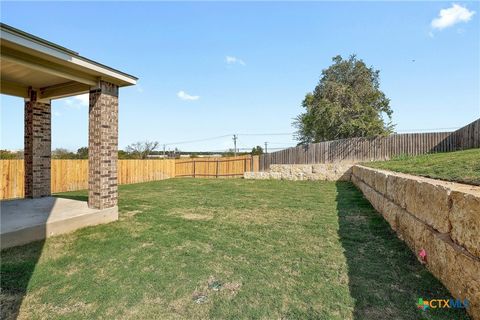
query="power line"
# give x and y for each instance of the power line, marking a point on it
(278, 148)
(197, 140)
(238, 150)
(291, 142)
(224, 136)
(266, 134)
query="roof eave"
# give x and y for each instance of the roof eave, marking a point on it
(34, 43)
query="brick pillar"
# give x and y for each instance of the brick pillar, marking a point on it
(37, 147)
(102, 146)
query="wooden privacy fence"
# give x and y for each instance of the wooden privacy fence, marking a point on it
(135, 171)
(215, 167)
(71, 175)
(380, 148)
(13, 183)
(468, 137)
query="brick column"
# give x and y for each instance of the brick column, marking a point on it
(102, 146)
(37, 147)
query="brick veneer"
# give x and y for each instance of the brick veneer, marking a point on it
(37, 146)
(102, 146)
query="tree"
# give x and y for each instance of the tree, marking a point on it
(82, 153)
(347, 102)
(141, 150)
(123, 154)
(256, 151)
(61, 153)
(229, 153)
(7, 154)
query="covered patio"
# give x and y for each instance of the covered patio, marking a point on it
(39, 71)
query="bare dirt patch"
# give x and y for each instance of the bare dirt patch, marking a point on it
(232, 287)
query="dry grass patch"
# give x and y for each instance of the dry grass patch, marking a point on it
(149, 307)
(128, 214)
(194, 245)
(197, 213)
(265, 216)
(147, 244)
(33, 307)
(194, 216)
(232, 287)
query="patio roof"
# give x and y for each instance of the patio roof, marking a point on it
(52, 70)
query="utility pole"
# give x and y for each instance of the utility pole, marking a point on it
(266, 150)
(163, 151)
(235, 145)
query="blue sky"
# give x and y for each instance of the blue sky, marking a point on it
(218, 68)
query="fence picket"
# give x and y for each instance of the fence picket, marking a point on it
(380, 148)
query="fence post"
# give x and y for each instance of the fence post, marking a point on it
(244, 165)
(194, 169)
(216, 169)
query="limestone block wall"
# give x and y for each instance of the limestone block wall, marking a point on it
(442, 218)
(325, 171)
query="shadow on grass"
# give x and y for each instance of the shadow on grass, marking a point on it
(385, 278)
(18, 263)
(17, 267)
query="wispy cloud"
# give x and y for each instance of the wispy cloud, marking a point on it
(234, 60)
(451, 16)
(78, 101)
(185, 96)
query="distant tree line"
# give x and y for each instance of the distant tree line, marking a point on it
(61, 153)
(138, 150)
(9, 155)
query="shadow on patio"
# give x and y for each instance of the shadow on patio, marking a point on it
(385, 278)
(27, 220)
(15, 274)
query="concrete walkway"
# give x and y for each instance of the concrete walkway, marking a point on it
(26, 220)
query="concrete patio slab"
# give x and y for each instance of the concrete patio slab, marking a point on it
(26, 220)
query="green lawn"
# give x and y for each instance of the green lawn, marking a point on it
(224, 249)
(461, 166)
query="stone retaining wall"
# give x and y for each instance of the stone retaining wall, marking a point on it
(328, 171)
(442, 218)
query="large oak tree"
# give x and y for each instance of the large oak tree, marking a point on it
(347, 102)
